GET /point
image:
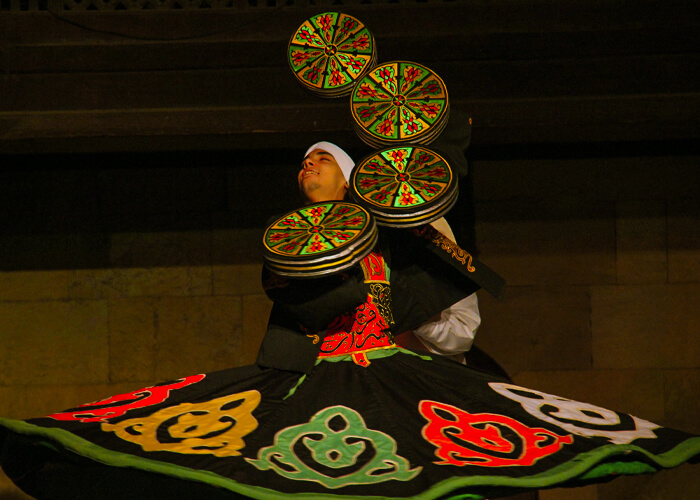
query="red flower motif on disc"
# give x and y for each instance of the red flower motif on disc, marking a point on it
(367, 91)
(398, 155)
(385, 74)
(348, 25)
(411, 73)
(431, 87)
(385, 128)
(325, 22)
(313, 74)
(411, 127)
(436, 172)
(317, 246)
(366, 183)
(361, 43)
(356, 64)
(430, 110)
(355, 221)
(299, 56)
(278, 237)
(407, 198)
(337, 78)
(381, 196)
(317, 211)
(423, 157)
(306, 35)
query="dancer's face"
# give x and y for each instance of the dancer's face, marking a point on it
(320, 178)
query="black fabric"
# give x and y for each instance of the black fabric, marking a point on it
(469, 266)
(109, 483)
(283, 338)
(422, 285)
(402, 426)
(47, 474)
(314, 302)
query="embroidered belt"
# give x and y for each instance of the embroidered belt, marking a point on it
(355, 343)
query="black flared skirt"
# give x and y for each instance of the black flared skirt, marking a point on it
(406, 426)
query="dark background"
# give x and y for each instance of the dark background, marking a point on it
(143, 145)
(177, 115)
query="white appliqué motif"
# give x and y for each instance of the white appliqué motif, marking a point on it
(568, 411)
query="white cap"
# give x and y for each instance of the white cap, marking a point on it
(344, 161)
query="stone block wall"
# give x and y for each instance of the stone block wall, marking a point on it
(70, 337)
(603, 302)
(601, 255)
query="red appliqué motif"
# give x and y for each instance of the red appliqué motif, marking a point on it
(110, 407)
(485, 439)
(365, 328)
(362, 330)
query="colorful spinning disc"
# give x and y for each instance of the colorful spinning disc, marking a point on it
(399, 102)
(319, 239)
(330, 52)
(404, 186)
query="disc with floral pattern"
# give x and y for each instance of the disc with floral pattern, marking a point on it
(404, 186)
(330, 52)
(399, 102)
(319, 239)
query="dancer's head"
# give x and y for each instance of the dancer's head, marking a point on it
(325, 172)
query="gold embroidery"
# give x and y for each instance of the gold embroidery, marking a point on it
(449, 246)
(360, 358)
(313, 336)
(380, 294)
(203, 428)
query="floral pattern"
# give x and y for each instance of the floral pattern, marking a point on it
(329, 52)
(400, 101)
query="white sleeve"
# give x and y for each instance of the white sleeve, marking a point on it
(453, 332)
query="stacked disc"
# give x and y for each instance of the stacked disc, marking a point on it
(330, 52)
(399, 102)
(319, 239)
(404, 186)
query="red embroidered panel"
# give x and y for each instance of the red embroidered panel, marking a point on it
(374, 268)
(366, 327)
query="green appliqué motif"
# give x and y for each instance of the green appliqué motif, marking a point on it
(336, 438)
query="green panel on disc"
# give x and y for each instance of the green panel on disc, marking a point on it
(329, 52)
(399, 102)
(402, 177)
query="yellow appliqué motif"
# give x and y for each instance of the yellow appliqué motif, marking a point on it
(208, 428)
